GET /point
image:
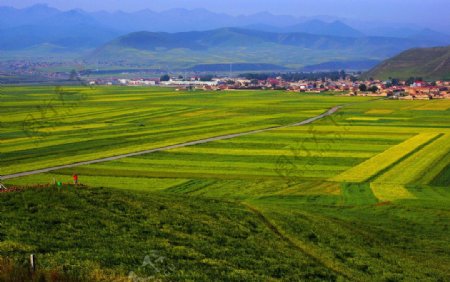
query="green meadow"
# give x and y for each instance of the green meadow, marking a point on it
(361, 195)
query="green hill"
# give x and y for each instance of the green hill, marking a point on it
(110, 233)
(226, 45)
(429, 63)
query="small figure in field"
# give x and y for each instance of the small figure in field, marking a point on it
(75, 179)
(59, 185)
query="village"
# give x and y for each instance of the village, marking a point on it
(351, 83)
(395, 89)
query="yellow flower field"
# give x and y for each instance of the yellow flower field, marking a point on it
(376, 164)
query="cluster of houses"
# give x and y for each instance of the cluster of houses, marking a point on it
(406, 91)
(348, 86)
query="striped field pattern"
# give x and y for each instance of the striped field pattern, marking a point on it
(361, 195)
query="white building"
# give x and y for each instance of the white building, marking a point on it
(188, 83)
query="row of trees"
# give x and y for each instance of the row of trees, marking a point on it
(296, 76)
(166, 77)
(364, 88)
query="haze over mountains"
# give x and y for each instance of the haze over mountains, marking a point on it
(318, 27)
(181, 37)
(227, 45)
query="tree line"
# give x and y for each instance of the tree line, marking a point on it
(296, 76)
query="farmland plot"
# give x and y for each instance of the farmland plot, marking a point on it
(419, 166)
(43, 127)
(210, 207)
(375, 165)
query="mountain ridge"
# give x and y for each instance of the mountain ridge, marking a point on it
(177, 19)
(185, 38)
(318, 27)
(239, 45)
(428, 63)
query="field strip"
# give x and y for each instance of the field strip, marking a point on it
(372, 130)
(176, 146)
(390, 192)
(268, 152)
(419, 164)
(210, 164)
(378, 163)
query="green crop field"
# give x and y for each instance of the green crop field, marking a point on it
(43, 127)
(360, 195)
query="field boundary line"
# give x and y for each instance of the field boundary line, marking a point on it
(273, 228)
(170, 147)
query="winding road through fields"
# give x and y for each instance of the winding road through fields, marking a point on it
(191, 143)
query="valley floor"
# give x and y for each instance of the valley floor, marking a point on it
(361, 195)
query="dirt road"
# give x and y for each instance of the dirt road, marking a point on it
(192, 143)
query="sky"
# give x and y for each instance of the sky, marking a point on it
(423, 12)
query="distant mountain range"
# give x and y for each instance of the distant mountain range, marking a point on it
(318, 27)
(358, 65)
(238, 45)
(428, 63)
(240, 67)
(41, 24)
(71, 30)
(181, 38)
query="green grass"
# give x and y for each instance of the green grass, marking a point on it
(115, 230)
(259, 207)
(394, 242)
(443, 178)
(418, 62)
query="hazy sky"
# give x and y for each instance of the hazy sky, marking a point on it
(430, 12)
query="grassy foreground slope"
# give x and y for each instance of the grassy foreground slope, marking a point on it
(284, 183)
(79, 232)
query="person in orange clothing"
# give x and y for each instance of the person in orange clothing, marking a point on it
(75, 178)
